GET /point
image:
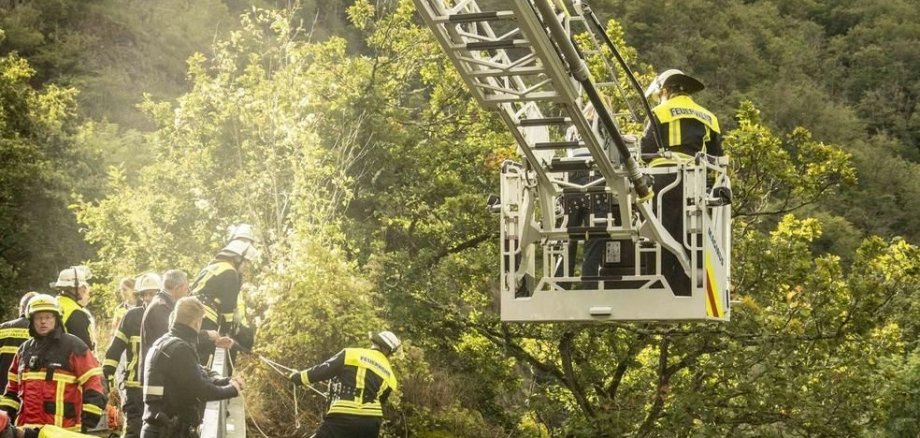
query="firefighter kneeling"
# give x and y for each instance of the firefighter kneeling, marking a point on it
(365, 379)
(176, 388)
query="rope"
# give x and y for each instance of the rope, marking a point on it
(285, 371)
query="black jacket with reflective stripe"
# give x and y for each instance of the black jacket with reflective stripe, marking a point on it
(364, 379)
(12, 335)
(77, 320)
(218, 288)
(127, 340)
(174, 384)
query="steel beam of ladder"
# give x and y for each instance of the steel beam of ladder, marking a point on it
(510, 64)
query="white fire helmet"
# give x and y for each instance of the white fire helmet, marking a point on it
(242, 249)
(150, 281)
(242, 232)
(74, 276)
(387, 341)
(673, 78)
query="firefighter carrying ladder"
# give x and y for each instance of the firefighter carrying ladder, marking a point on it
(526, 63)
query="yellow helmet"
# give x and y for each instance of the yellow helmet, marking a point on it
(43, 303)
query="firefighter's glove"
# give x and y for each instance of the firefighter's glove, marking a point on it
(295, 377)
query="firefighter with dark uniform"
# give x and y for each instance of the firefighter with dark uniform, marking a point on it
(127, 341)
(686, 128)
(364, 380)
(217, 286)
(54, 378)
(12, 334)
(176, 387)
(73, 294)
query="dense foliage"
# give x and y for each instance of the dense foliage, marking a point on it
(366, 168)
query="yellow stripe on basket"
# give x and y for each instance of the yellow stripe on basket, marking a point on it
(713, 304)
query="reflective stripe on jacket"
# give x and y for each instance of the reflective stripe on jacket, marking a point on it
(127, 340)
(12, 335)
(77, 320)
(175, 386)
(217, 286)
(365, 380)
(54, 380)
(685, 127)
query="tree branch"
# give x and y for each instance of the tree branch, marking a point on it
(566, 349)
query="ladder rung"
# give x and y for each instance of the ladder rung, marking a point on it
(496, 45)
(558, 145)
(590, 189)
(545, 121)
(518, 71)
(570, 165)
(579, 233)
(543, 96)
(471, 17)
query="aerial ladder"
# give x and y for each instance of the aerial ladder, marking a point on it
(580, 182)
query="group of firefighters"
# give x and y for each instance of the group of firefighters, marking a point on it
(168, 329)
(165, 333)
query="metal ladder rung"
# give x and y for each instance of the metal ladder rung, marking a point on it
(472, 17)
(495, 45)
(591, 189)
(533, 97)
(520, 71)
(545, 121)
(558, 145)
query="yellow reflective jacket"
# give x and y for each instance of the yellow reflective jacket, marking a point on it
(364, 379)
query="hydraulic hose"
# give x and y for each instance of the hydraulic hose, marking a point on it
(580, 72)
(629, 74)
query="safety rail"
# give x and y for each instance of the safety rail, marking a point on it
(224, 418)
(577, 180)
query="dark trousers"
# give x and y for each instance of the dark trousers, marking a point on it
(672, 218)
(348, 426)
(158, 431)
(133, 408)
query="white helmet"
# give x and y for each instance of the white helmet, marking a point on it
(242, 249)
(387, 341)
(147, 282)
(673, 78)
(74, 276)
(242, 232)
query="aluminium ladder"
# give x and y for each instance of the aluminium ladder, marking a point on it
(521, 61)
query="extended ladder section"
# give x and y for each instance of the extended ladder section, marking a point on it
(581, 238)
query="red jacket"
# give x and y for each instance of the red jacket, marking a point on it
(54, 380)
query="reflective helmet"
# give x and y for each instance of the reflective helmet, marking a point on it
(43, 303)
(242, 232)
(150, 281)
(240, 248)
(74, 276)
(387, 341)
(673, 79)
